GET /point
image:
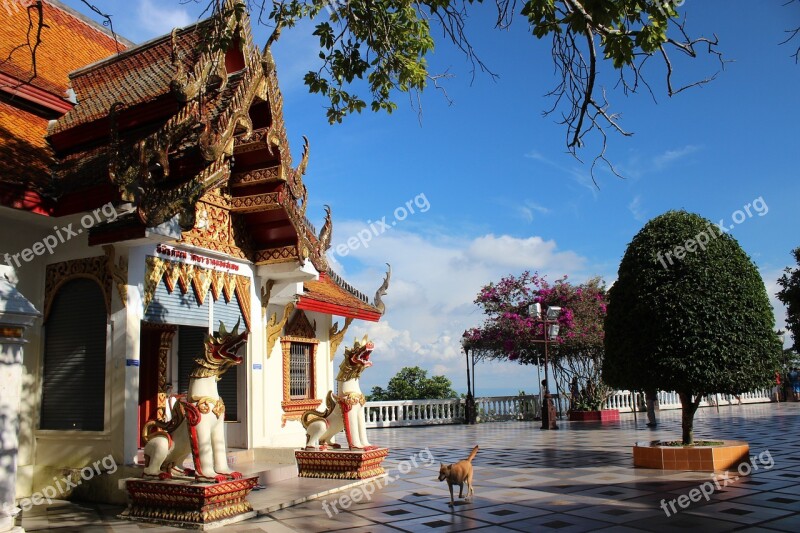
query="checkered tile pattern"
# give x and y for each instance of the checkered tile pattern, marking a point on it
(578, 478)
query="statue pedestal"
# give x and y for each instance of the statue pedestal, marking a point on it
(341, 464)
(187, 504)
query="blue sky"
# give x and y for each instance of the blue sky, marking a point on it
(493, 191)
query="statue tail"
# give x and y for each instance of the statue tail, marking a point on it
(153, 428)
(313, 415)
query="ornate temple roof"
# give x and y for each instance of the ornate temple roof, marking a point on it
(135, 76)
(28, 99)
(188, 127)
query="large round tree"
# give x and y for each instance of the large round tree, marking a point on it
(689, 312)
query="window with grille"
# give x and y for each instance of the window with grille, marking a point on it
(299, 371)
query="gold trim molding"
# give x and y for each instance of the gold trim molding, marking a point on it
(335, 336)
(275, 326)
(298, 331)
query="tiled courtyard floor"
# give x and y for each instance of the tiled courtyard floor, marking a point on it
(579, 478)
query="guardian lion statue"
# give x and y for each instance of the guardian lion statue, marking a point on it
(345, 411)
(198, 421)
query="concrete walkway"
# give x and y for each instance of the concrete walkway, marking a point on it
(579, 478)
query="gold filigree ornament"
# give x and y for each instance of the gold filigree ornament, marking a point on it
(204, 405)
(353, 398)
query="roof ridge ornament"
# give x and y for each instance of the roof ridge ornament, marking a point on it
(325, 236)
(381, 292)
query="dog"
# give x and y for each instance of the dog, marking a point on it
(458, 474)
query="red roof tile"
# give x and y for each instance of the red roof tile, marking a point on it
(24, 155)
(326, 296)
(138, 75)
(67, 43)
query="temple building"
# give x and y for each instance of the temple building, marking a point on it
(149, 193)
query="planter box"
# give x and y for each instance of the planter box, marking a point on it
(606, 415)
(701, 458)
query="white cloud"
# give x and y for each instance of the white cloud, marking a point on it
(435, 279)
(581, 176)
(665, 159)
(161, 18)
(770, 278)
(532, 253)
(635, 207)
(529, 208)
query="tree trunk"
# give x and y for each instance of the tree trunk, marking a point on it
(688, 409)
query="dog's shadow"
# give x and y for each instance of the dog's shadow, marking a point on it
(459, 503)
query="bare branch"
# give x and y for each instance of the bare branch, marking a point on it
(792, 34)
(452, 22)
(106, 21)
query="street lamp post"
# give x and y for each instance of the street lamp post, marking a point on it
(551, 327)
(470, 414)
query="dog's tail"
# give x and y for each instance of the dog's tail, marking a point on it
(473, 454)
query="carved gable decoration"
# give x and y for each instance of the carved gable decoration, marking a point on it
(299, 327)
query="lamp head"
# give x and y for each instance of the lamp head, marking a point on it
(553, 312)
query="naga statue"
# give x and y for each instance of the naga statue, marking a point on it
(345, 410)
(198, 421)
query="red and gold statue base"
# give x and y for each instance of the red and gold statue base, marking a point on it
(188, 504)
(359, 460)
(341, 464)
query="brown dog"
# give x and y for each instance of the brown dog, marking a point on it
(458, 474)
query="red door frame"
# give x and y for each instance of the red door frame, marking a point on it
(151, 380)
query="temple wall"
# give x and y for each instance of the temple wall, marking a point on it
(47, 456)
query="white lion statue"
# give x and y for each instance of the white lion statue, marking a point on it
(198, 421)
(345, 411)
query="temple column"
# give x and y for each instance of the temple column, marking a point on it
(16, 314)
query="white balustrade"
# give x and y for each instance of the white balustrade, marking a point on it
(622, 400)
(428, 412)
(495, 408)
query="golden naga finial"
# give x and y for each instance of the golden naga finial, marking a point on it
(382, 290)
(326, 233)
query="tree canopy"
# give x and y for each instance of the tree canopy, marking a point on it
(689, 312)
(372, 51)
(509, 332)
(789, 295)
(413, 383)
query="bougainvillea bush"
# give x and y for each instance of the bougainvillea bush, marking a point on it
(510, 333)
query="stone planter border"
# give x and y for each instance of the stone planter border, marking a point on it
(606, 415)
(701, 458)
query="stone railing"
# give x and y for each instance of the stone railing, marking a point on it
(623, 400)
(495, 408)
(429, 412)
